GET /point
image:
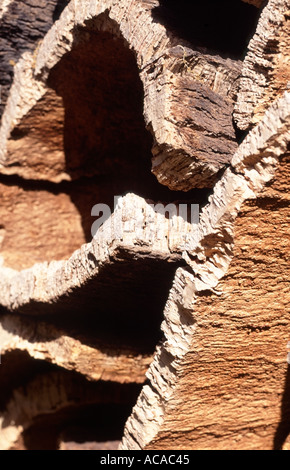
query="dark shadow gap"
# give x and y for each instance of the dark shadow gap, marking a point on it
(160, 192)
(283, 429)
(223, 27)
(86, 191)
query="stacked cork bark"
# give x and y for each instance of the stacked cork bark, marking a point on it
(158, 332)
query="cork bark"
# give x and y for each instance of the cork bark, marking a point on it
(206, 381)
(184, 320)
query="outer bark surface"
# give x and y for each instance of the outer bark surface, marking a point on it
(265, 74)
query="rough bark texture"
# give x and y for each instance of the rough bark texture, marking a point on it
(94, 96)
(70, 61)
(266, 69)
(207, 379)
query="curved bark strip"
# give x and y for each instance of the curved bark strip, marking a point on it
(189, 147)
(266, 68)
(206, 328)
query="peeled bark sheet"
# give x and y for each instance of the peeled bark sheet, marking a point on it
(164, 324)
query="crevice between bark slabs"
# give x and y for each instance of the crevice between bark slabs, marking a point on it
(23, 25)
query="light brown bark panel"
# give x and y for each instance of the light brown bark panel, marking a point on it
(94, 358)
(234, 387)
